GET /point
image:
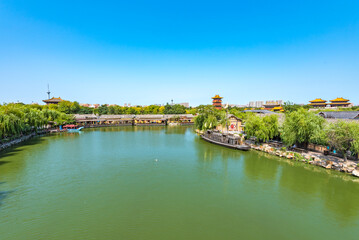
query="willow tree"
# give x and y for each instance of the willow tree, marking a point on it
(262, 128)
(210, 123)
(300, 127)
(207, 118)
(344, 137)
(18, 119)
(224, 121)
(271, 123)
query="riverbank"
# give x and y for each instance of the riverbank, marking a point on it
(313, 158)
(22, 139)
(306, 156)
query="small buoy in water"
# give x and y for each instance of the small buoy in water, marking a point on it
(156, 160)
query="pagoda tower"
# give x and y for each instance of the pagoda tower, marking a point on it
(217, 102)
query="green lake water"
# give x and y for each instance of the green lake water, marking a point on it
(159, 183)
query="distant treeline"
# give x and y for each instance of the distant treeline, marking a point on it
(75, 108)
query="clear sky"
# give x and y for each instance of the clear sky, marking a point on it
(146, 52)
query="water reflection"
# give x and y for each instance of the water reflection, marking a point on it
(165, 129)
(297, 183)
(341, 198)
(257, 166)
(302, 184)
(208, 152)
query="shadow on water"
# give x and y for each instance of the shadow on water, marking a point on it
(13, 150)
(3, 162)
(3, 194)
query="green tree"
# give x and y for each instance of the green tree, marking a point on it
(103, 109)
(344, 137)
(75, 107)
(300, 127)
(262, 128)
(64, 106)
(174, 109)
(210, 122)
(224, 122)
(291, 107)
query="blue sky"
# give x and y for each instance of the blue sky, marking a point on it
(146, 52)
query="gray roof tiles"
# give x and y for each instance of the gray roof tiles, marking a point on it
(340, 114)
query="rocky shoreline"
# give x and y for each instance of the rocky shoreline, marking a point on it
(21, 139)
(314, 158)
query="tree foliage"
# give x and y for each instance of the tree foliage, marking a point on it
(301, 127)
(18, 119)
(344, 137)
(174, 109)
(263, 128)
(290, 107)
(208, 117)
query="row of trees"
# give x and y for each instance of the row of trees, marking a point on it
(19, 119)
(300, 128)
(75, 108)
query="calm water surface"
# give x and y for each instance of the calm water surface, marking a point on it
(166, 183)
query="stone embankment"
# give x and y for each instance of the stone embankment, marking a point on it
(21, 139)
(314, 158)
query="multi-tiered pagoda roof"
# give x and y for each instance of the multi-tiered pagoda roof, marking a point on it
(217, 102)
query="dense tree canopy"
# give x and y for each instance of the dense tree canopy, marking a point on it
(174, 109)
(344, 137)
(208, 117)
(301, 127)
(17, 119)
(263, 128)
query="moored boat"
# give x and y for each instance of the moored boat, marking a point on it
(72, 128)
(225, 140)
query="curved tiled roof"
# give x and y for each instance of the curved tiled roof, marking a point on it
(318, 100)
(217, 96)
(260, 111)
(53, 99)
(340, 114)
(340, 100)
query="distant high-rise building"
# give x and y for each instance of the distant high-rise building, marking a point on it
(185, 104)
(256, 104)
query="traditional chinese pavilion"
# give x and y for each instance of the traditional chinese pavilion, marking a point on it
(318, 103)
(339, 102)
(272, 105)
(278, 109)
(217, 102)
(53, 100)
